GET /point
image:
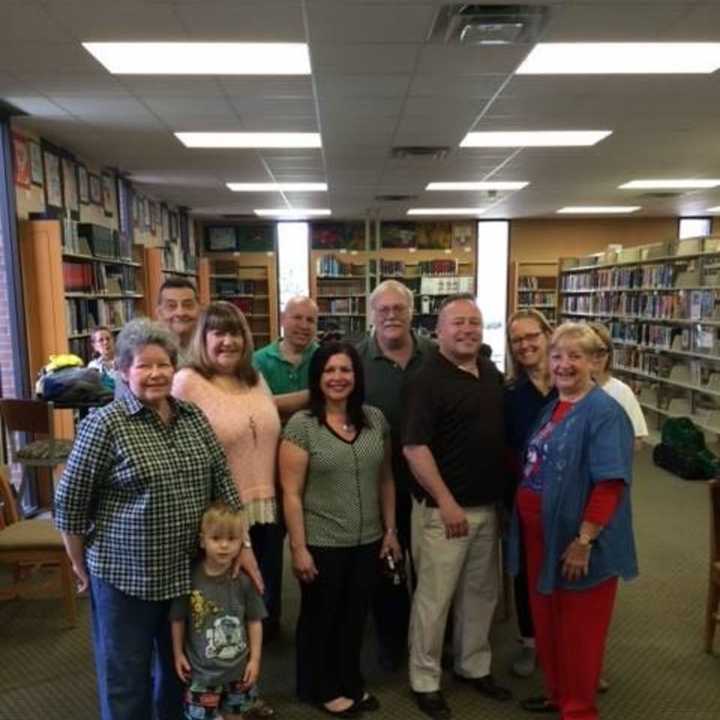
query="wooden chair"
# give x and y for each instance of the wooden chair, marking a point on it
(712, 615)
(33, 543)
(35, 417)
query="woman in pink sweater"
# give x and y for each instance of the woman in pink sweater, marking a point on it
(222, 382)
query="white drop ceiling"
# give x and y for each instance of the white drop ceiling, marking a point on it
(376, 83)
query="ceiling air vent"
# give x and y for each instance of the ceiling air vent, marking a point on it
(396, 198)
(432, 152)
(473, 24)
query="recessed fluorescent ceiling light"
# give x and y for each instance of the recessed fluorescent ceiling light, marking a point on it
(287, 213)
(714, 209)
(249, 140)
(534, 138)
(196, 58)
(607, 209)
(621, 58)
(278, 187)
(446, 211)
(489, 185)
(676, 184)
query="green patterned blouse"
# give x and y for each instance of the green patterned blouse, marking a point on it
(341, 500)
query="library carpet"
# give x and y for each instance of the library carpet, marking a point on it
(655, 660)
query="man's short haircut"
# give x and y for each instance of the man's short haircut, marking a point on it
(457, 297)
(175, 282)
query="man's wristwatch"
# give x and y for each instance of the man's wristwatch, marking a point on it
(585, 540)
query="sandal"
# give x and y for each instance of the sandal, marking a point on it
(539, 704)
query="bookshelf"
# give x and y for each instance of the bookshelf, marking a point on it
(156, 271)
(340, 283)
(662, 305)
(432, 275)
(93, 276)
(248, 280)
(534, 286)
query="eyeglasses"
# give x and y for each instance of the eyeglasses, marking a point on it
(385, 311)
(529, 337)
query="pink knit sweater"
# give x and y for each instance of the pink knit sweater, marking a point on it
(248, 427)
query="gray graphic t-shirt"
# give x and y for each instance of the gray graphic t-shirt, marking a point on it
(216, 614)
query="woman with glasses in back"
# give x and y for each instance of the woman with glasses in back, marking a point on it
(529, 389)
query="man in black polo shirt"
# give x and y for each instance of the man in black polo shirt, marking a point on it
(453, 440)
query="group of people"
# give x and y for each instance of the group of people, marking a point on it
(394, 451)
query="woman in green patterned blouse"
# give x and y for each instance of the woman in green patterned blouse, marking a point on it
(339, 502)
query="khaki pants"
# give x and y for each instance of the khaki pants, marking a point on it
(458, 571)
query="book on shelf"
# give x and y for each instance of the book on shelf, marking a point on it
(330, 266)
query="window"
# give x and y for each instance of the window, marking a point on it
(693, 227)
(492, 264)
(292, 260)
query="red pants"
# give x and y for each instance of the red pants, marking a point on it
(570, 625)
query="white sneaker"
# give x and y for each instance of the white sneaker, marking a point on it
(524, 664)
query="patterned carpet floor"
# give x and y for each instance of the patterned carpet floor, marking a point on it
(655, 661)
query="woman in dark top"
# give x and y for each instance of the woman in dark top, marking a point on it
(528, 391)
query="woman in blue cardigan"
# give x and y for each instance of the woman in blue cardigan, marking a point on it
(573, 510)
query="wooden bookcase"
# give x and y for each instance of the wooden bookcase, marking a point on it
(249, 280)
(59, 318)
(534, 286)
(432, 275)
(340, 283)
(84, 289)
(662, 305)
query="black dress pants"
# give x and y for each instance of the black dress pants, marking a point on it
(522, 599)
(331, 625)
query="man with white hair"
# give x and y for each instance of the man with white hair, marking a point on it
(453, 439)
(391, 354)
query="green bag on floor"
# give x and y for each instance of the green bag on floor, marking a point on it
(683, 451)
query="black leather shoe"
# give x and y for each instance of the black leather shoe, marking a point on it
(433, 705)
(486, 686)
(539, 704)
(369, 703)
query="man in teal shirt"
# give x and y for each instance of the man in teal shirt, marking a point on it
(284, 365)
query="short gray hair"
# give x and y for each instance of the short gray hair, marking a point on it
(394, 286)
(139, 333)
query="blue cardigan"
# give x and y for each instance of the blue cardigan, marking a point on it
(592, 443)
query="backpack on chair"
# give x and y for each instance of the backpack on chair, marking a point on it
(683, 452)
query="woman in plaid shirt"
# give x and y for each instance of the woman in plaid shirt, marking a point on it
(141, 473)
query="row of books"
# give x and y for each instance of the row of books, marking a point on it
(392, 268)
(662, 276)
(343, 305)
(528, 297)
(227, 287)
(82, 315)
(330, 265)
(93, 277)
(698, 338)
(690, 372)
(688, 305)
(345, 326)
(438, 267)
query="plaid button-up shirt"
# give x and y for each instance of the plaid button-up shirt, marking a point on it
(137, 489)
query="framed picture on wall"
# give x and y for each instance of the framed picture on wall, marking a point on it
(95, 185)
(36, 163)
(70, 185)
(146, 214)
(153, 217)
(164, 222)
(83, 185)
(53, 181)
(108, 196)
(136, 200)
(21, 161)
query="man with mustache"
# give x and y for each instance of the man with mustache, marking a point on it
(453, 439)
(391, 355)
